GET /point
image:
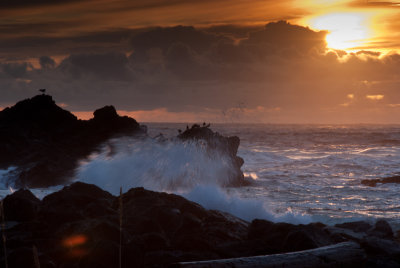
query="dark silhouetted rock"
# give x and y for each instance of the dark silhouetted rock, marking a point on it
(374, 182)
(21, 206)
(285, 237)
(225, 145)
(79, 226)
(107, 113)
(45, 142)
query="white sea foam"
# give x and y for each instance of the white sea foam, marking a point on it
(162, 166)
(300, 170)
(188, 169)
(212, 197)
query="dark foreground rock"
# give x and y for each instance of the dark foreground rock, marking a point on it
(45, 142)
(346, 254)
(79, 226)
(374, 182)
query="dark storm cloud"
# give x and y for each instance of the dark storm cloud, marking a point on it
(279, 68)
(16, 70)
(234, 31)
(282, 35)
(108, 66)
(197, 54)
(163, 38)
(96, 42)
(46, 62)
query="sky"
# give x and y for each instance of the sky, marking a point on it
(312, 61)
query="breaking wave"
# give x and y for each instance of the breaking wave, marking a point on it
(185, 168)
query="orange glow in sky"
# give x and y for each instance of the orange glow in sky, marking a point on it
(346, 29)
(354, 25)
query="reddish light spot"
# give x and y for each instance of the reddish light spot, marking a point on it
(75, 240)
(75, 245)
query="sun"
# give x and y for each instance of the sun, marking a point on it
(346, 30)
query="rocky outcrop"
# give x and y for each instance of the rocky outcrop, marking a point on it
(79, 226)
(374, 182)
(226, 145)
(45, 142)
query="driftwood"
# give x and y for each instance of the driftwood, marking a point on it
(346, 254)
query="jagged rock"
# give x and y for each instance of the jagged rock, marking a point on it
(226, 145)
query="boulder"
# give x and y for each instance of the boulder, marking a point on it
(381, 229)
(356, 226)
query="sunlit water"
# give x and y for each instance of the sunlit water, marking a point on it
(301, 173)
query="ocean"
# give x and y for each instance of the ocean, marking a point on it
(299, 173)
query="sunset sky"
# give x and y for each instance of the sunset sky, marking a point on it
(312, 61)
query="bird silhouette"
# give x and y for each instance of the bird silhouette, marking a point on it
(43, 90)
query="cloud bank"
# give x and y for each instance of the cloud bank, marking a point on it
(234, 73)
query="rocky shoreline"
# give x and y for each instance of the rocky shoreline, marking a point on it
(85, 226)
(79, 226)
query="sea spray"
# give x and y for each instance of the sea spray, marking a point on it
(212, 197)
(4, 177)
(161, 166)
(187, 168)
